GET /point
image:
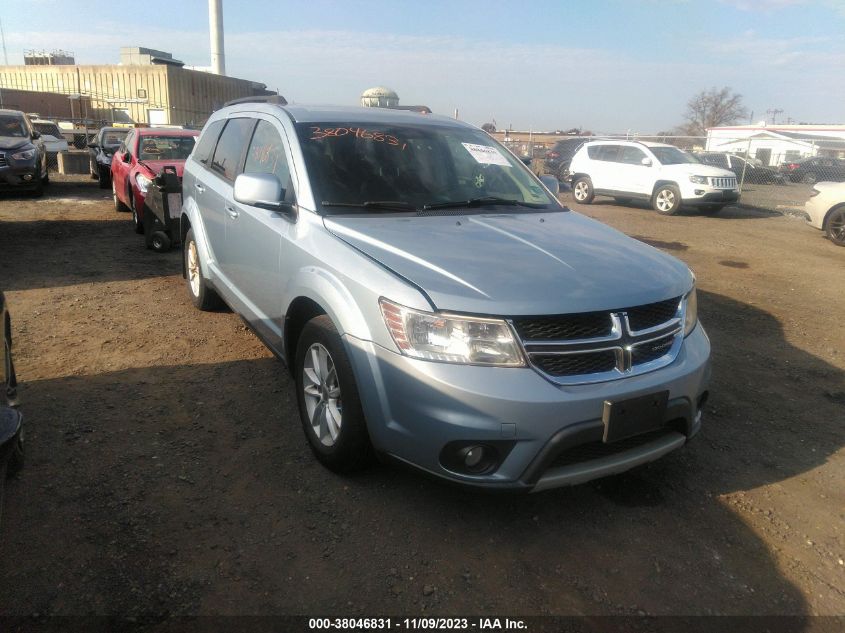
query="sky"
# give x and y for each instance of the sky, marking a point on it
(602, 65)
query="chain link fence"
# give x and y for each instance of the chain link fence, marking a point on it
(775, 171)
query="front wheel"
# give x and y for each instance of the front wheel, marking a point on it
(329, 405)
(104, 176)
(666, 200)
(835, 226)
(582, 190)
(203, 297)
(118, 205)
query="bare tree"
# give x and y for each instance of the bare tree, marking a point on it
(489, 128)
(712, 108)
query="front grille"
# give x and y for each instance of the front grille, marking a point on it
(723, 183)
(3, 162)
(653, 314)
(575, 364)
(592, 346)
(564, 327)
(653, 350)
(596, 450)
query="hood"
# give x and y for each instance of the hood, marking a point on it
(13, 142)
(517, 264)
(699, 170)
(157, 165)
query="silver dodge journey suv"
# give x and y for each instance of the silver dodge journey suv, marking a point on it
(435, 303)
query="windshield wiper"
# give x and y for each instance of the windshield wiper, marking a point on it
(480, 202)
(387, 205)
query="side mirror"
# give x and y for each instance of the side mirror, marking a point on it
(526, 160)
(552, 183)
(263, 191)
(36, 134)
(127, 157)
(646, 161)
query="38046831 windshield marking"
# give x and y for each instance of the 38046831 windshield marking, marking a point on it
(318, 133)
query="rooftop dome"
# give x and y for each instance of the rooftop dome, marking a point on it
(379, 97)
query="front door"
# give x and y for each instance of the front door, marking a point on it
(255, 236)
(632, 175)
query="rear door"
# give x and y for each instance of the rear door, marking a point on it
(256, 236)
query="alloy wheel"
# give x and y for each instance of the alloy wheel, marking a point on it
(194, 269)
(836, 227)
(581, 190)
(665, 200)
(323, 403)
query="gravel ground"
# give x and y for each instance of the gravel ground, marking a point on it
(167, 472)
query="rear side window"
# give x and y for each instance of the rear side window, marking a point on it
(230, 147)
(632, 155)
(603, 152)
(266, 155)
(204, 149)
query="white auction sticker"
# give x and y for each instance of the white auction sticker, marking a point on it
(486, 155)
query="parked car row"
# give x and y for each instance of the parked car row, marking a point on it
(816, 169)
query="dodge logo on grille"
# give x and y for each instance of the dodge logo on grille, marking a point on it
(651, 343)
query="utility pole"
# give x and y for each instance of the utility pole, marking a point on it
(774, 113)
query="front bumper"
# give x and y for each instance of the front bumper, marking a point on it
(19, 177)
(710, 196)
(415, 408)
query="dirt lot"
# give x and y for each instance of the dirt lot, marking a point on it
(167, 473)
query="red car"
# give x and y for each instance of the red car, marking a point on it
(140, 157)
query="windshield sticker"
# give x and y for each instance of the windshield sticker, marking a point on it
(486, 155)
(318, 133)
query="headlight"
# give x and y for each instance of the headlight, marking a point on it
(24, 155)
(143, 183)
(690, 311)
(451, 338)
(699, 180)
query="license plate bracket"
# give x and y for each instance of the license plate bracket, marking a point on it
(625, 418)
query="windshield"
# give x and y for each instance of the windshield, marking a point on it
(412, 166)
(113, 138)
(48, 129)
(166, 147)
(12, 126)
(672, 156)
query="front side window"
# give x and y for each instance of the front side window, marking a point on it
(632, 155)
(112, 139)
(414, 165)
(672, 156)
(14, 126)
(230, 147)
(48, 129)
(266, 155)
(207, 141)
(165, 147)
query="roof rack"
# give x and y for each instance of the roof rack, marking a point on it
(275, 99)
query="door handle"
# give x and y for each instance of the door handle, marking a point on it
(232, 212)
(199, 187)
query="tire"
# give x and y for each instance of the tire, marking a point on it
(136, 221)
(582, 190)
(160, 242)
(118, 205)
(203, 297)
(17, 458)
(666, 199)
(104, 178)
(340, 442)
(834, 226)
(809, 178)
(712, 209)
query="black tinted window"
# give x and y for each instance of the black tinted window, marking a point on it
(266, 155)
(203, 150)
(603, 152)
(230, 147)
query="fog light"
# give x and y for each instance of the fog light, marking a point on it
(699, 192)
(473, 456)
(27, 177)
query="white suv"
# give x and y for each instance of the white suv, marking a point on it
(661, 174)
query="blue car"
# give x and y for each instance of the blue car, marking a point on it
(436, 304)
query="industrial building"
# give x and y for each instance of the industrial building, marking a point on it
(148, 86)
